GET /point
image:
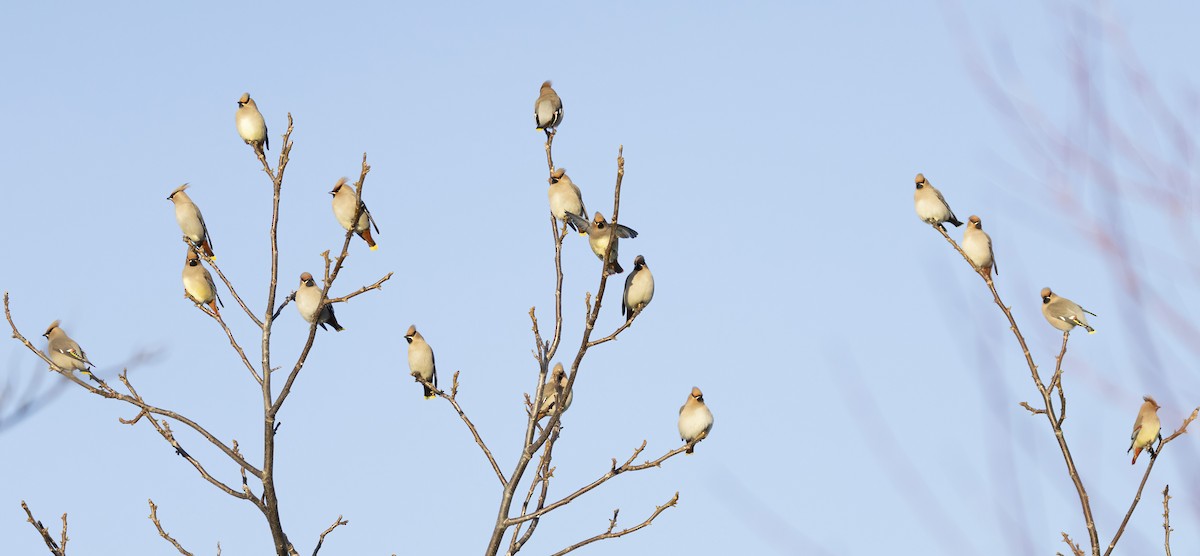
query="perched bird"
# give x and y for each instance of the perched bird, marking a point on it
(251, 125)
(598, 235)
(695, 420)
(187, 214)
(198, 284)
(345, 206)
(309, 300)
(1146, 429)
(420, 359)
(550, 390)
(64, 352)
(1064, 314)
(977, 244)
(931, 206)
(565, 198)
(639, 288)
(547, 111)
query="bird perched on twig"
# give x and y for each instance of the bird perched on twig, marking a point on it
(1064, 314)
(550, 390)
(250, 124)
(598, 236)
(198, 284)
(191, 222)
(420, 359)
(639, 288)
(565, 198)
(977, 244)
(930, 204)
(309, 302)
(64, 352)
(1146, 429)
(345, 206)
(695, 420)
(547, 110)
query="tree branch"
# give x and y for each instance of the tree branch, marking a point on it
(609, 534)
(321, 540)
(54, 547)
(452, 398)
(161, 532)
(1166, 519)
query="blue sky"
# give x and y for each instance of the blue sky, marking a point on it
(865, 388)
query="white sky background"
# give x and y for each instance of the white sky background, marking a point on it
(865, 388)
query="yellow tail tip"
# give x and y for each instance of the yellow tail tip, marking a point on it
(1092, 331)
(374, 247)
(430, 397)
(537, 129)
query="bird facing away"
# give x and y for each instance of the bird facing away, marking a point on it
(547, 111)
(1064, 314)
(250, 124)
(420, 359)
(639, 288)
(598, 232)
(931, 206)
(191, 222)
(309, 301)
(695, 420)
(550, 390)
(565, 197)
(64, 352)
(345, 206)
(198, 284)
(1146, 429)
(977, 244)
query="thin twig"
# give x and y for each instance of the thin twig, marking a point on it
(1055, 424)
(609, 534)
(55, 549)
(1166, 519)
(212, 263)
(321, 540)
(452, 398)
(161, 532)
(1074, 547)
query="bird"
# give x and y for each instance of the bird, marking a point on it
(695, 420)
(420, 359)
(547, 111)
(345, 206)
(1064, 314)
(977, 244)
(1146, 429)
(550, 390)
(64, 352)
(198, 284)
(565, 197)
(309, 300)
(931, 206)
(191, 222)
(598, 236)
(250, 124)
(639, 288)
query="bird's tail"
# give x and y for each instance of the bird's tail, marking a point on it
(213, 305)
(1089, 329)
(954, 220)
(1135, 455)
(208, 250)
(428, 391)
(366, 235)
(614, 267)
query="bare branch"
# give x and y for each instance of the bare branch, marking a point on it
(55, 549)
(1074, 547)
(1048, 411)
(451, 397)
(161, 532)
(1166, 519)
(321, 540)
(213, 263)
(377, 285)
(612, 524)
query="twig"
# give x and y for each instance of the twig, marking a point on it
(1074, 547)
(321, 540)
(452, 398)
(212, 263)
(609, 534)
(1153, 457)
(55, 549)
(1055, 423)
(1166, 519)
(377, 285)
(161, 532)
(64, 533)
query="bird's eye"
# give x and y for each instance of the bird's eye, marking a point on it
(1046, 299)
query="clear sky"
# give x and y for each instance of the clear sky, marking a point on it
(865, 388)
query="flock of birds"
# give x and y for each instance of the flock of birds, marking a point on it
(1062, 313)
(566, 204)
